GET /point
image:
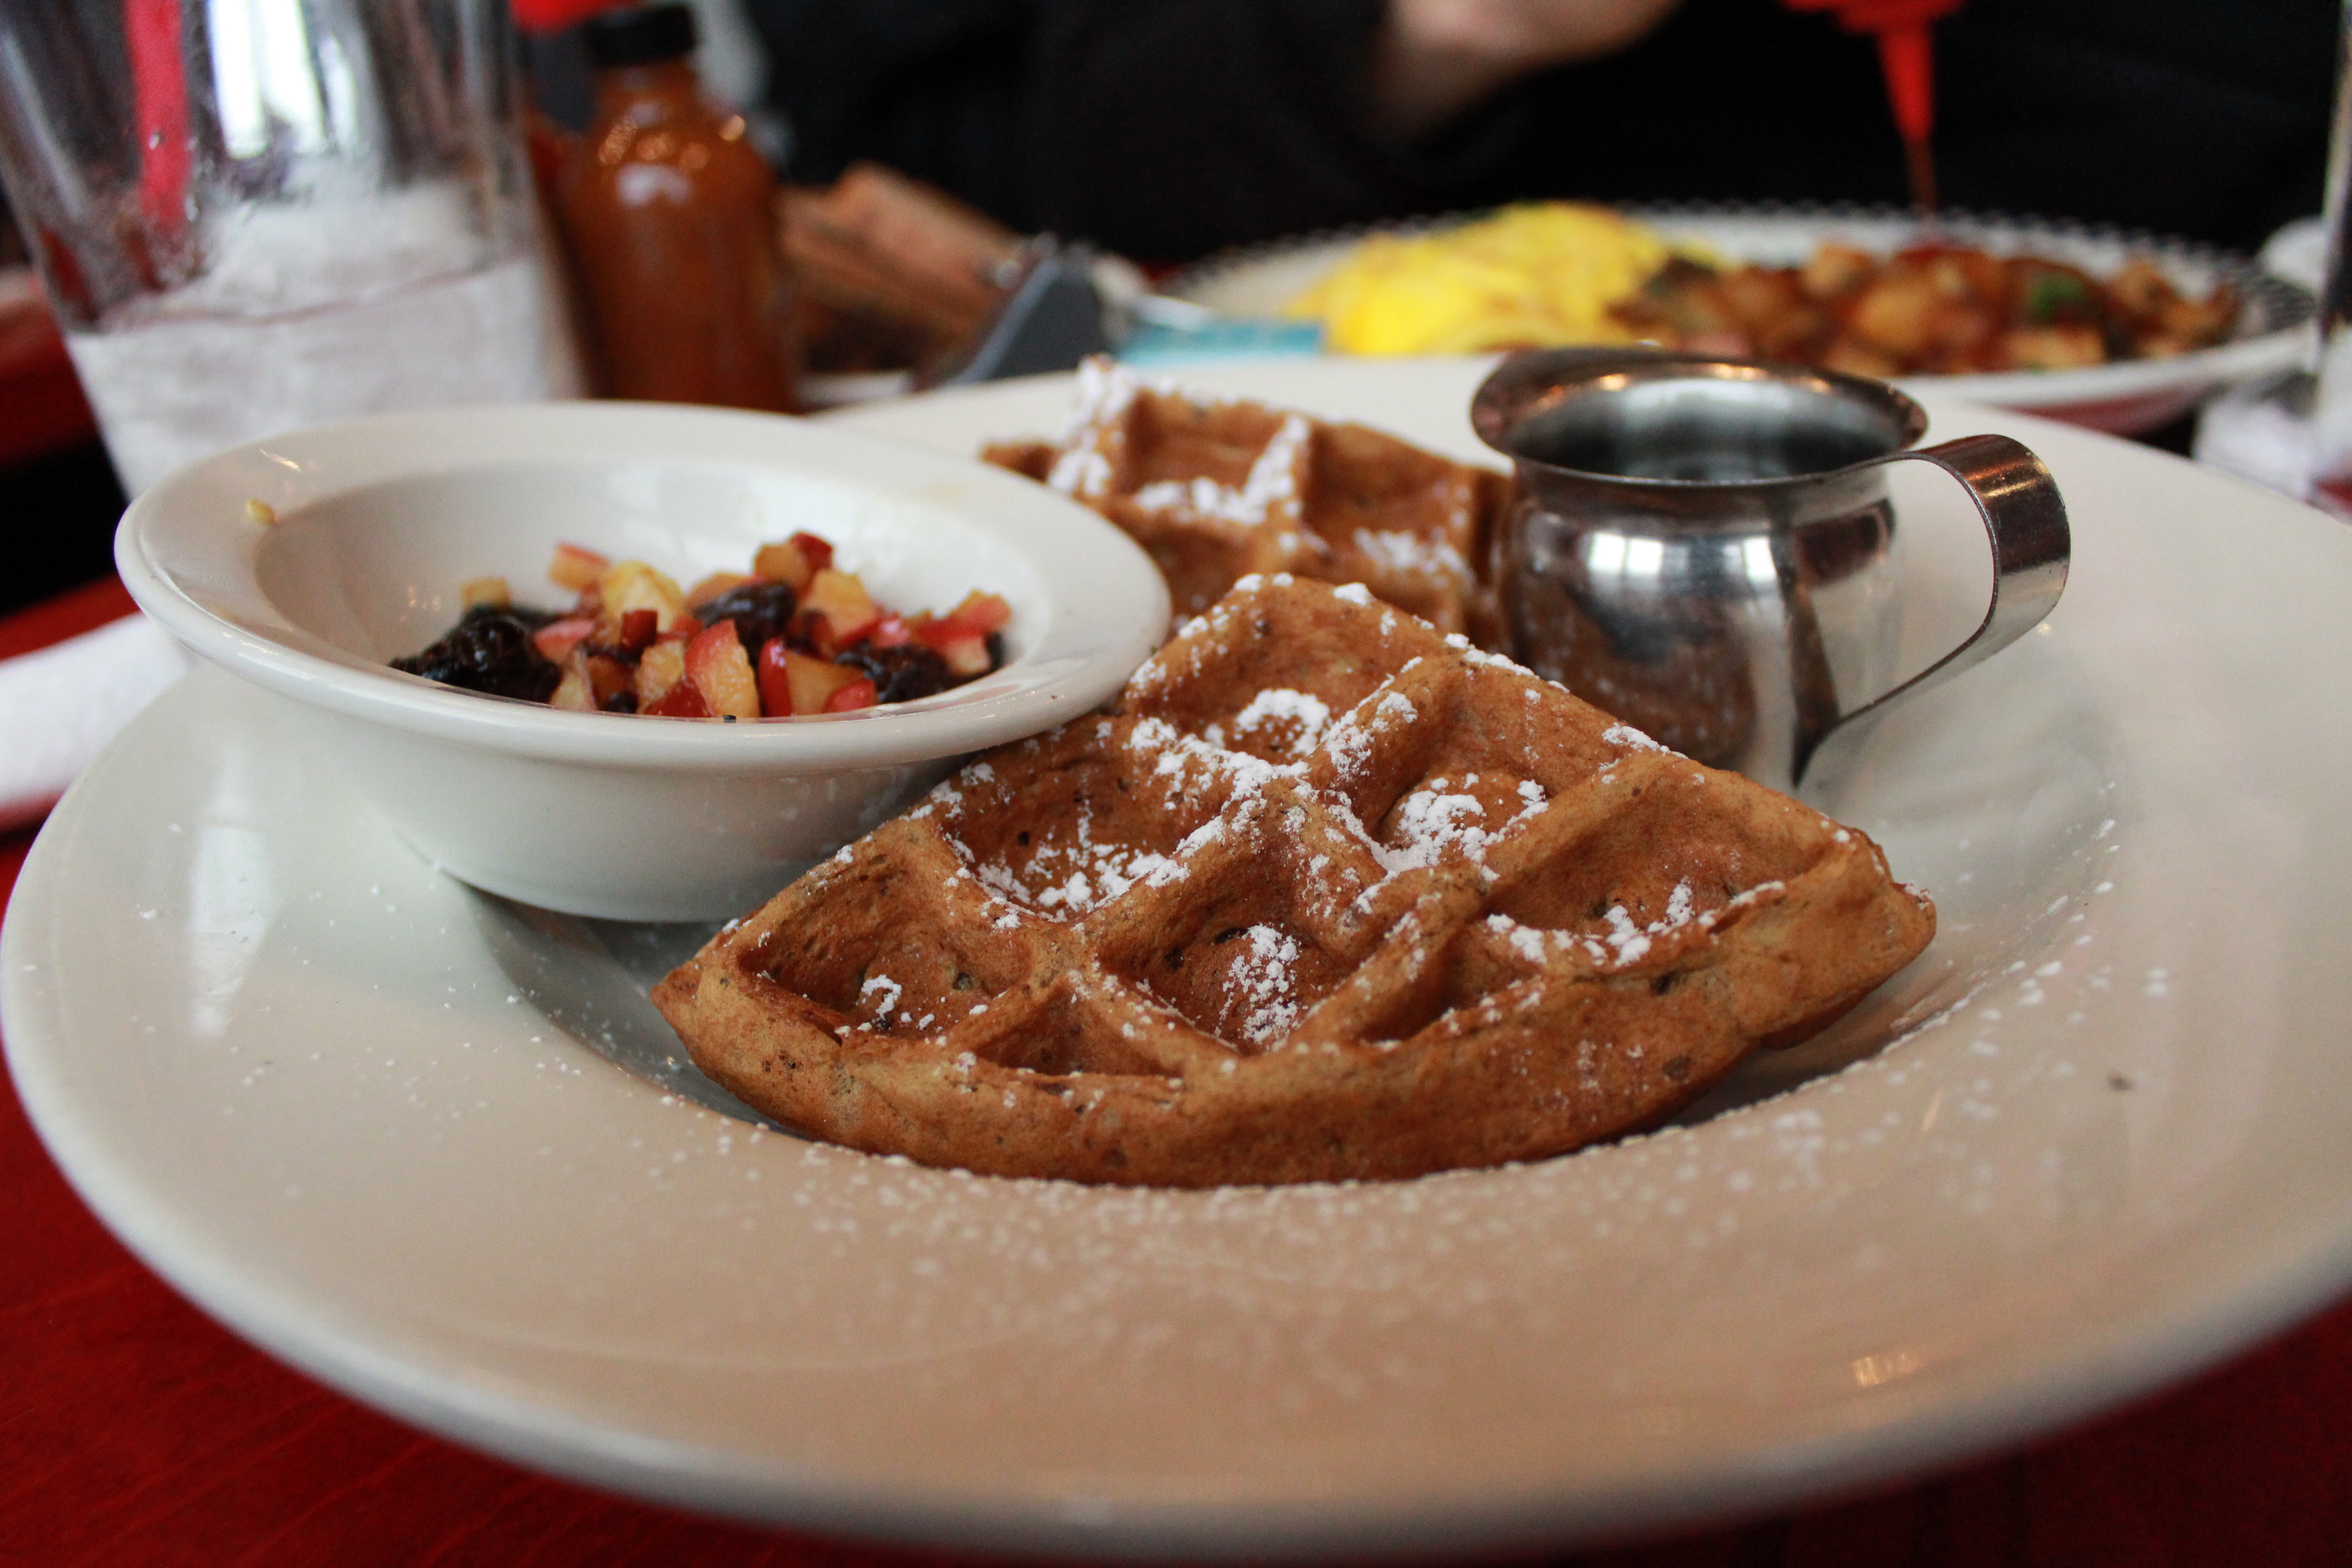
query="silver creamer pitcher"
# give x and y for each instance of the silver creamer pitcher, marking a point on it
(1698, 545)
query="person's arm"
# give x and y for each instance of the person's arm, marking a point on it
(1434, 59)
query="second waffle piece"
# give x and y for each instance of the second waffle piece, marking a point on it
(1329, 895)
(1221, 488)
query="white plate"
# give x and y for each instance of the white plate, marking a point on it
(320, 1088)
(2129, 398)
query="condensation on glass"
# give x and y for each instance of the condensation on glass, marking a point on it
(255, 215)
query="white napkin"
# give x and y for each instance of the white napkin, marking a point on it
(60, 704)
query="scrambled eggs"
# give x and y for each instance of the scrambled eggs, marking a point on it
(1538, 273)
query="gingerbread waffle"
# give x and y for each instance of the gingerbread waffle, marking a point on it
(1327, 895)
(1220, 490)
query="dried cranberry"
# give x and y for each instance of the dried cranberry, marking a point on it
(490, 650)
(759, 611)
(899, 674)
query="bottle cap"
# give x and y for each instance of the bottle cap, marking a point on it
(639, 35)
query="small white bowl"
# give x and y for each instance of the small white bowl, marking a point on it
(380, 521)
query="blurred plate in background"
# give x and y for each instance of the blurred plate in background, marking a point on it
(2129, 397)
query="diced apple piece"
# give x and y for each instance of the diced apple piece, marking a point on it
(715, 662)
(858, 693)
(638, 628)
(683, 700)
(965, 656)
(633, 585)
(812, 681)
(576, 691)
(576, 568)
(608, 677)
(556, 639)
(659, 668)
(979, 614)
(718, 583)
(775, 679)
(490, 591)
(768, 670)
(784, 562)
(846, 610)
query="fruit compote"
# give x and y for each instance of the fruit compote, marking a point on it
(793, 637)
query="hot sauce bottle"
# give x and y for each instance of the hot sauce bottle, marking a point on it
(671, 220)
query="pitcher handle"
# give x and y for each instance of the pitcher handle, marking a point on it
(2026, 523)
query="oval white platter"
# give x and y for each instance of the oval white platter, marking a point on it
(2129, 397)
(2099, 1136)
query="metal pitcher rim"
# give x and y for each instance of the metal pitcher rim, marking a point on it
(1534, 380)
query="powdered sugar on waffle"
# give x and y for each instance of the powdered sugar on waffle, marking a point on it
(1104, 393)
(1272, 485)
(1400, 551)
(1349, 744)
(1434, 825)
(890, 991)
(1082, 472)
(1631, 942)
(1279, 705)
(1106, 390)
(1439, 822)
(1625, 943)
(1262, 979)
(1084, 874)
(1629, 739)
(1196, 760)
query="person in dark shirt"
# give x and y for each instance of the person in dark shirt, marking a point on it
(1167, 129)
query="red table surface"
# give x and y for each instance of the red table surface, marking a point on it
(135, 1431)
(42, 409)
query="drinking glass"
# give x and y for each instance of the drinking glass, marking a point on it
(255, 215)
